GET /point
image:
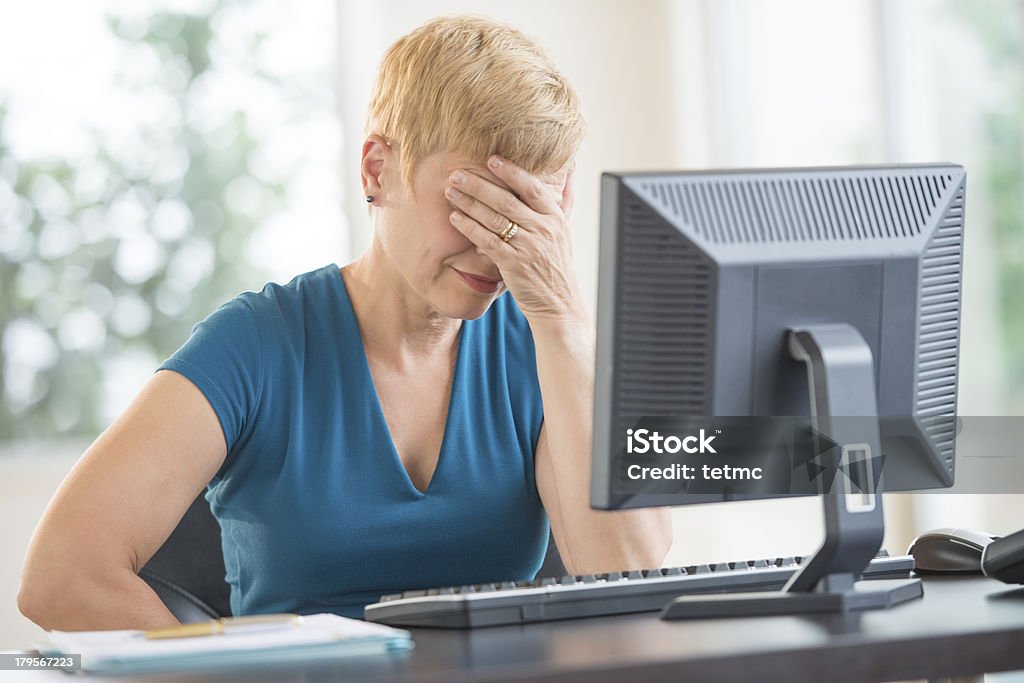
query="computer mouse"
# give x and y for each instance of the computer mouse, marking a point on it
(949, 550)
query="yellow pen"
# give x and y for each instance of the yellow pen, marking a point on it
(227, 626)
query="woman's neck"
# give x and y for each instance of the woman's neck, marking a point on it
(397, 325)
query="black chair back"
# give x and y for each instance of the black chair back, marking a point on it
(187, 572)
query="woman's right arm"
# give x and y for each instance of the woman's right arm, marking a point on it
(115, 509)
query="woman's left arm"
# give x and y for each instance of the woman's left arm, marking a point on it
(536, 265)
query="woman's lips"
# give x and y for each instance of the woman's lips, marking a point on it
(484, 285)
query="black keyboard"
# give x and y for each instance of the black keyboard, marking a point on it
(572, 597)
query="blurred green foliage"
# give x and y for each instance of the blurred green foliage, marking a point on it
(999, 28)
(123, 255)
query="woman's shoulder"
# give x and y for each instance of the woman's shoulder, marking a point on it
(291, 307)
(281, 316)
(315, 289)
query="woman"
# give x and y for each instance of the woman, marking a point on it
(411, 420)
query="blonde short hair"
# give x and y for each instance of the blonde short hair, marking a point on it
(471, 86)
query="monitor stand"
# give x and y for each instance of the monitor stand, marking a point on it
(841, 373)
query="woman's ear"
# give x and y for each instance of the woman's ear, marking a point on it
(375, 152)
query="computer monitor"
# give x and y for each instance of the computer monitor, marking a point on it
(766, 299)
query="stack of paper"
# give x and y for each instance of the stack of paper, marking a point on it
(318, 637)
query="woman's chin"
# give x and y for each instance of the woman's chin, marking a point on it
(467, 306)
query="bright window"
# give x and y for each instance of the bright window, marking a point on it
(156, 158)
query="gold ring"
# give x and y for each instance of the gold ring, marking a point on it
(510, 231)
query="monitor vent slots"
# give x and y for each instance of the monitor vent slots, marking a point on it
(801, 209)
(938, 324)
(663, 332)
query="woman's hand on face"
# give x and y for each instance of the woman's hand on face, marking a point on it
(536, 262)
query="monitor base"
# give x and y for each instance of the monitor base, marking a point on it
(841, 382)
(864, 595)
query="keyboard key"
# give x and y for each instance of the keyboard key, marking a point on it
(567, 581)
(702, 569)
(721, 567)
(674, 571)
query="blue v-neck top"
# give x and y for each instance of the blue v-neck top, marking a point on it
(317, 512)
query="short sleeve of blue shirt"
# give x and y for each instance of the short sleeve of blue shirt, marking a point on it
(317, 512)
(223, 358)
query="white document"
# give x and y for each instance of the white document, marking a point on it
(320, 634)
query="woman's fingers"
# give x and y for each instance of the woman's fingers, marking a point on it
(532, 192)
(487, 241)
(478, 210)
(495, 206)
